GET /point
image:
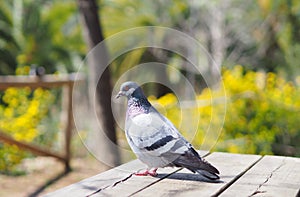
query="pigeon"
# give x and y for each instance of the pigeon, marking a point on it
(155, 140)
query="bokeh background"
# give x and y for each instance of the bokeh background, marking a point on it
(254, 44)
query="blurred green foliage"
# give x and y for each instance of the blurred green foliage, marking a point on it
(281, 30)
(45, 33)
(261, 118)
(262, 35)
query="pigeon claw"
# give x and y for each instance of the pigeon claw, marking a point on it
(151, 172)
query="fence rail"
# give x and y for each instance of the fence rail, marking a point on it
(66, 82)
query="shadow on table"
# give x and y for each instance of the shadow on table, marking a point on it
(188, 177)
(48, 183)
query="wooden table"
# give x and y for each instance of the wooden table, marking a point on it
(241, 175)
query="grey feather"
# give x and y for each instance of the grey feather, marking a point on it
(155, 140)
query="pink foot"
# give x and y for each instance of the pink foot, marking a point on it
(151, 172)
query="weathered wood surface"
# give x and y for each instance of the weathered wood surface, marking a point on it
(183, 183)
(137, 183)
(272, 176)
(112, 179)
(241, 175)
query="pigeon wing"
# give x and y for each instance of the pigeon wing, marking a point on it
(192, 161)
(155, 135)
(149, 132)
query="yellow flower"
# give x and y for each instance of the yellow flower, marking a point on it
(20, 118)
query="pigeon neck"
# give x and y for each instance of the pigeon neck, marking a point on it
(137, 104)
(138, 93)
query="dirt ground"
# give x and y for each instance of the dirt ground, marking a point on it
(45, 174)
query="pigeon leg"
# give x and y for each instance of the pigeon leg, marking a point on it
(151, 172)
(142, 173)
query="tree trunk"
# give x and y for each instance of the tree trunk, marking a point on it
(100, 86)
(217, 40)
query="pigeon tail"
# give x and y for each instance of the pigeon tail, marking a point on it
(209, 175)
(192, 161)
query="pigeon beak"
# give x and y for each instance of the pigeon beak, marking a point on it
(119, 94)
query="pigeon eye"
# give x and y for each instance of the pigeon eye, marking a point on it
(126, 88)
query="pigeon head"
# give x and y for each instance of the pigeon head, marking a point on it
(130, 89)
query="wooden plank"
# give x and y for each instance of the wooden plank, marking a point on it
(102, 180)
(29, 147)
(45, 81)
(271, 176)
(183, 183)
(136, 183)
(118, 180)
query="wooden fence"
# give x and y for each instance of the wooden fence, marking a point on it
(66, 82)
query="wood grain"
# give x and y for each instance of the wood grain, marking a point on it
(272, 176)
(103, 180)
(183, 183)
(241, 175)
(110, 182)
